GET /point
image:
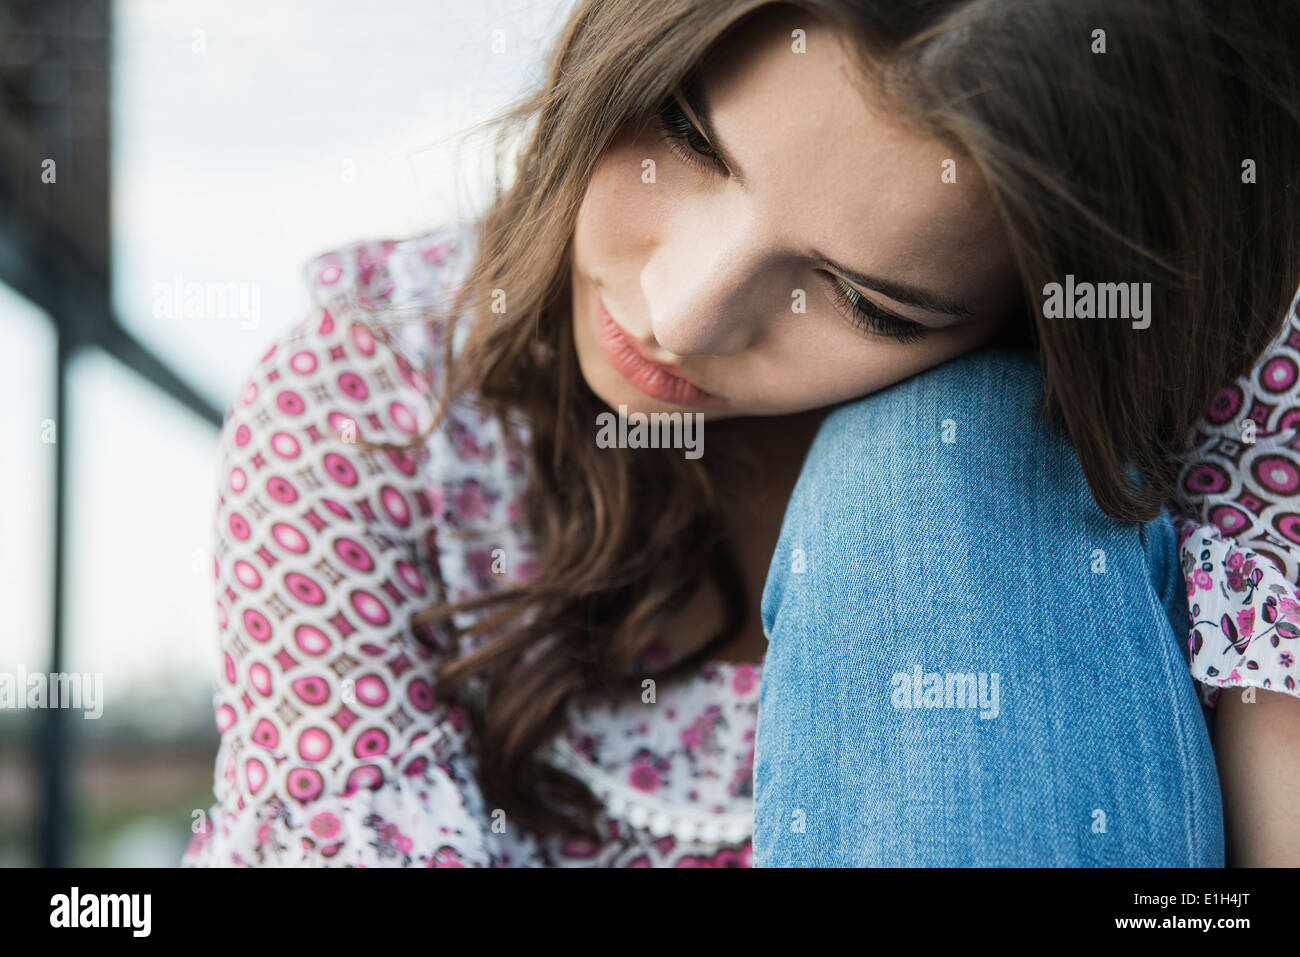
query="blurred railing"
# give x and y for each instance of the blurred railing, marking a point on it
(55, 251)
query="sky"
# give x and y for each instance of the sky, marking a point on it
(248, 137)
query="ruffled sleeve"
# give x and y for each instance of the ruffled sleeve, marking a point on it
(1238, 509)
(334, 748)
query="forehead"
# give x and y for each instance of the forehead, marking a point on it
(829, 165)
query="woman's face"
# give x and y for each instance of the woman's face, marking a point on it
(717, 275)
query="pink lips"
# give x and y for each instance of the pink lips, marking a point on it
(654, 380)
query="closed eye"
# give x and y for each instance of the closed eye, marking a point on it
(865, 315)
(685, 139)
(692, 147)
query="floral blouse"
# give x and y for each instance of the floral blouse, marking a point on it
(1238, 511)
(335, 749)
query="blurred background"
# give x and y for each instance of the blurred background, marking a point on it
(145, 146)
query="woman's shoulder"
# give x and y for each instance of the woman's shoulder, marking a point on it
(354, 373)
(366, 354)
(1242, 470)
(394, 284)
(363, 367)
(393, 272)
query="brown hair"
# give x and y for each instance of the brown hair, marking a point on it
(1116, 166)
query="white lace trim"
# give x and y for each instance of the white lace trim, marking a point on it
(641, 810)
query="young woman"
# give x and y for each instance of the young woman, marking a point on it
(466, 622)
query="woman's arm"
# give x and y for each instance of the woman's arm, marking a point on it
(1257, 744)
(1240, 556)
(1245, 619)
(335, 751)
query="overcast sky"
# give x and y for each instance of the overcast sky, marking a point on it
(236, 124)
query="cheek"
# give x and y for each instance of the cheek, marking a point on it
(620, 215)
(807, 371)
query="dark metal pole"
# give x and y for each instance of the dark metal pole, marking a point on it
(55, 808)
(55, 249)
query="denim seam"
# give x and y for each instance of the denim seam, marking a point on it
(1190, 824)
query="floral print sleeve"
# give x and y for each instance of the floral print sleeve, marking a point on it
(334, 748)
(1238, 507)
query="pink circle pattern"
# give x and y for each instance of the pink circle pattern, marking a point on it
(335, 748)
(1250, 490)
(1238, 506)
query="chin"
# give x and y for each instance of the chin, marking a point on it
(634, 401)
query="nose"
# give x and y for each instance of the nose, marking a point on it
(709, 289)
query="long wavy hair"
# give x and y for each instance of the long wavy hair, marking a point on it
(1128, 164)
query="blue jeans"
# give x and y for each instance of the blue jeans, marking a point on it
(969, 663)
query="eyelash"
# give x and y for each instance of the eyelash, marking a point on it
(868, 317)
(677, 131)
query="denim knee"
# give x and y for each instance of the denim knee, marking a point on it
(959, 450)
(938, 528)
(954, 449)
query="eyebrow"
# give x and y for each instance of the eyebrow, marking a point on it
(693, 95)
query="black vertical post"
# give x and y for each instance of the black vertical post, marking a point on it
(55, 251)
(67, 109)
(55, 809)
